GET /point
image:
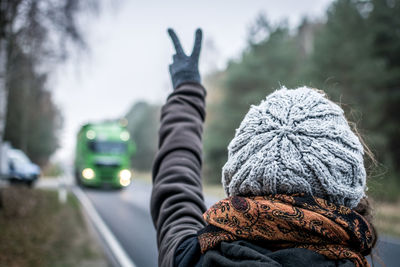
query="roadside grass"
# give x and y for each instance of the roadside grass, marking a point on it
(142, 176)
(37, 230)
(215, 190)
(52, 170)
(387, 218)
(384, 189)
(209, 189)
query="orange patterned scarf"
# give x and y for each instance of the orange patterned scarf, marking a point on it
(289, 221)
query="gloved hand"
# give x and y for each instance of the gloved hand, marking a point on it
(185, 68)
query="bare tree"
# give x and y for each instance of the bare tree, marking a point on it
(42, 29)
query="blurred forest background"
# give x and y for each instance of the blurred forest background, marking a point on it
(353, 54)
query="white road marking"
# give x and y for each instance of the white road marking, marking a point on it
(115, 247)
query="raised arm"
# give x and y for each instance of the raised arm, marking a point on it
(177, 202)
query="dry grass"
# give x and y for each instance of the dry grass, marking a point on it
(36, 230)
(214, 190)
(209, 189)
(142, 176)
(387, 218)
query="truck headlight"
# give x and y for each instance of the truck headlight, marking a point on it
(124, 136)
(90, 134)
(88, 173)
(125, 177)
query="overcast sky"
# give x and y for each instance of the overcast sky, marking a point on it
(130, 52)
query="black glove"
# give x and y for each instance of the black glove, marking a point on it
(185, 68)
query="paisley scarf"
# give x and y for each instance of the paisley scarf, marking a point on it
(289, 221)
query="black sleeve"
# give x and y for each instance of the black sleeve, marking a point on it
(188, 253)
(177, 202)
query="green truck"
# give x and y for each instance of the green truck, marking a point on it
(103, 154)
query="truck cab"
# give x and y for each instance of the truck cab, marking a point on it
(103, 155)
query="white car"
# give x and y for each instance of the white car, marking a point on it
(21, 169)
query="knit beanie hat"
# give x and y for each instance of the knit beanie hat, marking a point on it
(296, 141)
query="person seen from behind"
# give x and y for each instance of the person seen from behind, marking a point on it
(295, 181)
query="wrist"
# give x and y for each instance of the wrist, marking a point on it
(185, 77)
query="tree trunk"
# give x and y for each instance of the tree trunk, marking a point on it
(3, 99)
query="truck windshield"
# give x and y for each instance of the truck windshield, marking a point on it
(108, 147)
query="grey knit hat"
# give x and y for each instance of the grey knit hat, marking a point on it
(296, 141)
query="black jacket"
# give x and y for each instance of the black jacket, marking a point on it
(244, 253)
(177, 202)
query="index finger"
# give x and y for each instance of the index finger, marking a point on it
(175, 41)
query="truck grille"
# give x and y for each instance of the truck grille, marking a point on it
(107, 165)
(107, 172)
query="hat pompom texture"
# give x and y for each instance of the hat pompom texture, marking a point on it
(296, 141)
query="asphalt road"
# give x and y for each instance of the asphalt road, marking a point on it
(388, 252)
(127, 214)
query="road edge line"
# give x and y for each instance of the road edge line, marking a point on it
(115, 247)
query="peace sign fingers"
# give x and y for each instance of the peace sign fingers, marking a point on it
(185, 68)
